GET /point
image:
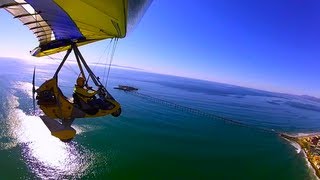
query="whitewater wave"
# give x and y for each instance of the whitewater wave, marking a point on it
(299, 150)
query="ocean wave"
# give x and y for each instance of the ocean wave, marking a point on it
(297, 146)
(85, 128)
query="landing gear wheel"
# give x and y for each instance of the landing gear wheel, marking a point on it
(116, 113)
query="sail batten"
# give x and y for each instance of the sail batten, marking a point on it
(59, 23)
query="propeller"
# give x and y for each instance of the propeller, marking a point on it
(34, 90)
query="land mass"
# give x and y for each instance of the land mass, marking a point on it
(310, 144)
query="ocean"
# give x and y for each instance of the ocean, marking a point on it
(152, 140)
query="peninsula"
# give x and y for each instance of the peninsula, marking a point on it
(310, 144)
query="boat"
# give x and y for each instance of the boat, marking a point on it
(126, 88)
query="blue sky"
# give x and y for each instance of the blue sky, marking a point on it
(271, 45)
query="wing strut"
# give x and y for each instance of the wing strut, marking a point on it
(80, 60)
(64, 60)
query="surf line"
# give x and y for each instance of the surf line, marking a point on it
(200, 113)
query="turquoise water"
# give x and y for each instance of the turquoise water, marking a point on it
(151, 140)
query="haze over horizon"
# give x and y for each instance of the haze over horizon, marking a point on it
(267, 45)
(130, 68)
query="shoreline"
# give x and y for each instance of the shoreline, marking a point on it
(309, 148)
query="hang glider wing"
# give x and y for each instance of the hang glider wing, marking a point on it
(58, 23)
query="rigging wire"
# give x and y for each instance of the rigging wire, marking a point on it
(111, 59)
(110, 54)
(107, 58)
(68, 66)
(104, 52)
(107, 49)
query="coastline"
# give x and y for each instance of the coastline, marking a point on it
(307, 147)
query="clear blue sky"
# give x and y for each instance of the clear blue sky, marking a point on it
(268, 44)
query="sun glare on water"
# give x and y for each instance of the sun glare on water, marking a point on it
(46, 156)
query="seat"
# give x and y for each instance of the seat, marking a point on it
(82, 105)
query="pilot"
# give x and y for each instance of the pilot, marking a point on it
(88, 94)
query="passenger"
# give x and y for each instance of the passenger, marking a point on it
(88, 95)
